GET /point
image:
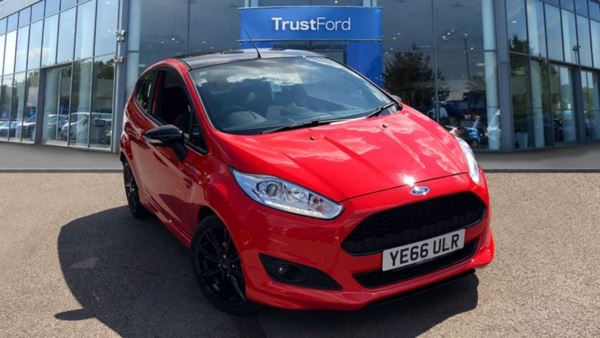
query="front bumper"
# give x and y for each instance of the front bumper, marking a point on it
(317, 244)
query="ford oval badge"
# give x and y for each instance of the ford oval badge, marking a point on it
(419, 190)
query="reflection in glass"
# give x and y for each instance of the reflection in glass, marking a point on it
(8, 129)
(517, 26)
(585, 46)
(24, 16)
(570, 37)
(84, 45)
(591, 104)
(66, 33)
(9, 56)
(410, 75)
(31, 101)
(416, 33)
(453, 33)
(464, 101)
(102, 95)
(106, 25)
(169, 29)
(568, 4)
(581, 7)
(35, 45)
(554, 33)
(537, 29)
(80, 102)
(37, 11)
(18, 105)
(13, 22)
(596, 43)
(2, 40)
(52, 6)
(208, 13)
(64, 4)
(561, 93)
(49, 42)
(521, 100)
(56, 105)
(21, 58)
(541, 119)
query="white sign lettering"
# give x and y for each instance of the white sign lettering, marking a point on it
(316, 24)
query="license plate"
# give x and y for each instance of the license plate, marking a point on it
(424, 250)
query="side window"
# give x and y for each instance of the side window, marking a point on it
(172, 106)
(144, 90)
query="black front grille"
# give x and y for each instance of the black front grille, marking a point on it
(380, 278)
(414, 222)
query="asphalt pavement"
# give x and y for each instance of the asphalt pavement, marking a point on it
(74, 263)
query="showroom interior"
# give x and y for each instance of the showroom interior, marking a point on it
(509, 75)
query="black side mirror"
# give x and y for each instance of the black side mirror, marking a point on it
(168, 136)
(397, 98)
(164, 136)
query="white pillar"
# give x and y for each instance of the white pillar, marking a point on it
(491, 66)
(133, 43)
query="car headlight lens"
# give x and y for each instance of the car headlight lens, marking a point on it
(471, 161)
(282, 195)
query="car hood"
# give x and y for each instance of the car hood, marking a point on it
(352, 158)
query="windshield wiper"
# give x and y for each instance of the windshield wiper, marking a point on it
(314, 123)
(380, 110)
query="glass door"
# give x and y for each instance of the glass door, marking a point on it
(57, 102)
(564, 120)
(591, 105)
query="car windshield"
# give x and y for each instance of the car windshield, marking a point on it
(266, 95)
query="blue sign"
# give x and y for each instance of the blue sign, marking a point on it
(310, 23)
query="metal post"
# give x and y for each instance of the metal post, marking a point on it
(119, 89)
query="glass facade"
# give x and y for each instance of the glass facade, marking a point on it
(554, 96)
(66, 49)
(77, 60)
(445, 67)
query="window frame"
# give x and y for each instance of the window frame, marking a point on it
(155, 92)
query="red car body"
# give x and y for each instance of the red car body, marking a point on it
(365, 165)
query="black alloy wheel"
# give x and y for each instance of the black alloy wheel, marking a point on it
(218, 268)
(132, 193)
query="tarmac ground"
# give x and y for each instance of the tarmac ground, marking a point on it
(73, 262)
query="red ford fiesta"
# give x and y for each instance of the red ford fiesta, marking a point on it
(299, 184)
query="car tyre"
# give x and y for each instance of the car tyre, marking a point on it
(218, 268)
(132, 193)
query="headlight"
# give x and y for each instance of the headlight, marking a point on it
(282, 195)
(471, 161)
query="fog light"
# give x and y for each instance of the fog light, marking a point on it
(297, 274)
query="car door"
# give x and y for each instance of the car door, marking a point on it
(176, 179)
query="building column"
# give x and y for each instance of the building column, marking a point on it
(504, 73)
(120, 90)
(491, 65)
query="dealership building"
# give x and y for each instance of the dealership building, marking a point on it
(509, 75)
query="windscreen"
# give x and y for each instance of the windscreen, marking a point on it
(253, 97)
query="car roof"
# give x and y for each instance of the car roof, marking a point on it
(199, 60)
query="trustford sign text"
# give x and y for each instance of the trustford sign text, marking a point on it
(316, 24)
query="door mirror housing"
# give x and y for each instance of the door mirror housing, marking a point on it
(168, 136)
(397, 98)
(164, 136)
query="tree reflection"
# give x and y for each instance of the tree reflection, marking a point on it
(409, 75)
